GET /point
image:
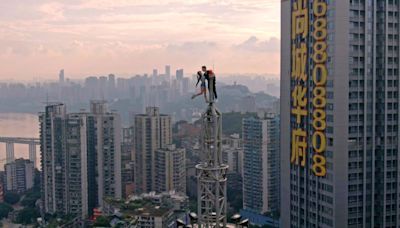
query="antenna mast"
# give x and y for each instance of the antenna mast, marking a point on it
(211, 172)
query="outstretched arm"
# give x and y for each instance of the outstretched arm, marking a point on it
(198, 78)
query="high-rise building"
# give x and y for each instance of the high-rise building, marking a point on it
(168, 71)
(61, 76)
(232, 153)
(170, 168)
(155, 72)
(19, 175)
(179, 74)
(104, 150)
(261, 163)
(185, 85)
(111, 86)
(53, 159)
(91, 87)
(74, 140)
(127, 161)
(340, 113)
(233, 158)
(152, 131)
(81, 158)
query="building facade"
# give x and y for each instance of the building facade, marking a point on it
(76, 181)
(170, 168)
(53, 159)
(261, 163)
(339, 111)
(127, 161)
(105, 151)
(152, 131)
(232, 153)
(81, 159)
(20, 175)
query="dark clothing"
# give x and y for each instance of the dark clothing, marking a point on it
(201, 78)
(210, 77)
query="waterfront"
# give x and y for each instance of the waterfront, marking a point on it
(18, 125)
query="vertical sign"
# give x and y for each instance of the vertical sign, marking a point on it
(299, 79)
(319, 77)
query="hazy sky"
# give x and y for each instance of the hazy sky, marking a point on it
(94, 37)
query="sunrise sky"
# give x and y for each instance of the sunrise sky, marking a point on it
(97, 37)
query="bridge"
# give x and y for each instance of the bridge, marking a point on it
(10, 141)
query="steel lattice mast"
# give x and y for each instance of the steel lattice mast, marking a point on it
(211, 172)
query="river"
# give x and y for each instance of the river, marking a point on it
(18, 125)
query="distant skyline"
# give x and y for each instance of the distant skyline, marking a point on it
(93, 37)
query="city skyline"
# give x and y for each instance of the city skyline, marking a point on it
(99, 37)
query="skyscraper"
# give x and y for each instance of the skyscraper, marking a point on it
(127, 161)
(74, 141)
(104, 153)
(152, 131)
(81, 159)
(179, 74)
(340, 113)
(111, 86)
(53, 159)
(168, 71)
(61, 77)
(170, 168)
(261, 163)
(232, 153)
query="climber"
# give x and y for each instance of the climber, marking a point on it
(201, 78)
(210, 77)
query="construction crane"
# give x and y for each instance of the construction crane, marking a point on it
(211, 171)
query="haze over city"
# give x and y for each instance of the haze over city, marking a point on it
(200, 113)
(126, 37)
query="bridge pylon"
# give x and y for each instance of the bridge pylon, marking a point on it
(10, 157)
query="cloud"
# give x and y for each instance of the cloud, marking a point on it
(136, 35)
(253, 44)
(193, 47)
(53, 11)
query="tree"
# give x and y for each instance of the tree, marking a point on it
(11, 198)
(232, 122)
(27, 216)
(102, 221)
(4, 210)
(30, 198)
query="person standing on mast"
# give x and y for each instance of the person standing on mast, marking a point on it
(210, 77)
(201, 78)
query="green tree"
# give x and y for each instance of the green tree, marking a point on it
(102, 221)
(232, 122)
(27, 216)
(4, 210)
(11, 198)
(30, 198)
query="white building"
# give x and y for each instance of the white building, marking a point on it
(81, 158)
(170, 168)
(20, 175)
(261, 163)
(152, 131)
